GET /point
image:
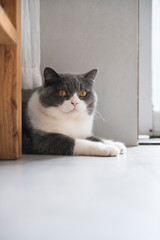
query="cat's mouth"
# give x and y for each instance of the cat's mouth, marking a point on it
(74, 110)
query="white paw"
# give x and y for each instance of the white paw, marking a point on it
(112, 151)
(121, 147)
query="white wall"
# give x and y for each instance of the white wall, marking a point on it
(77, 36)
(156, 55)
(145, 72)
(155, 66)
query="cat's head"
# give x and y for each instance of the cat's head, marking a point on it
(71, 94)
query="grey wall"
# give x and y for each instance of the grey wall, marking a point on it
(145, 72)
(77, 36)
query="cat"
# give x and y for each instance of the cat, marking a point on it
(58, 118)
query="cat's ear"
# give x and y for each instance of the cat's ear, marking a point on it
(91, 75)
(50, 76)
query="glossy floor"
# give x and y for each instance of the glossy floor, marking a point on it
(79, 198)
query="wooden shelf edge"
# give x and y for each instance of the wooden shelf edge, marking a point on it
(8, 33)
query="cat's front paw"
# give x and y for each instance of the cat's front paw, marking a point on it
(89, 148)
(112, 151)
(122, 148)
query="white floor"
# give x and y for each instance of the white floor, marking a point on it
(79, 198)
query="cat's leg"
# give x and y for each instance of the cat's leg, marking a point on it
(59, 144)
(94, 148)
(53, 144)
(119, 145)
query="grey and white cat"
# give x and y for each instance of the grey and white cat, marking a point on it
(58, 118)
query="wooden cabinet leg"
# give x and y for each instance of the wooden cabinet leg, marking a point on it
(10, 88)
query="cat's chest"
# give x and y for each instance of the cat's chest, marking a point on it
(69, 127)
(72, 128)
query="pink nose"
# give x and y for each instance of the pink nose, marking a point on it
(74, 104)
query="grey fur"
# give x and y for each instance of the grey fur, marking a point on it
(94, 139)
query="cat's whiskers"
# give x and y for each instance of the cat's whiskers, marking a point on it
(99, 116)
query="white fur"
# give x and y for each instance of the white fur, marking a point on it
(65, 119)
(88, 148)
(119, 145)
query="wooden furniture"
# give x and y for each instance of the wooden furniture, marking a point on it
(10, 79)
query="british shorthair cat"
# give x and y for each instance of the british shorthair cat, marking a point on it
(58, 118)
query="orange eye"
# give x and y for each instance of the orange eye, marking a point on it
(62, 93)
(83, 93)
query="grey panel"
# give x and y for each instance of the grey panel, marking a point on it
(77, 36)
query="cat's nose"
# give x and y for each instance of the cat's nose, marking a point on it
(74, 103)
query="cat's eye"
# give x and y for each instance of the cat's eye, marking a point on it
(83, 93)
(62, 93)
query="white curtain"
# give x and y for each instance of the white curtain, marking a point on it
(31, 76)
